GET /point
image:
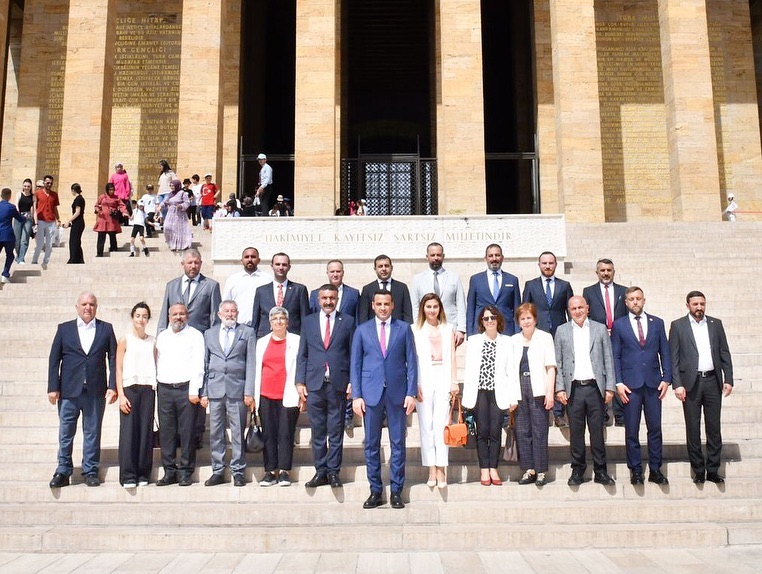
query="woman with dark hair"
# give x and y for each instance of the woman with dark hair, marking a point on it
(177, 231)
(533, 379)
(435, 347)
(26, 203)
(77, 224)
(109, 209)
(489, 360)
(136, 387)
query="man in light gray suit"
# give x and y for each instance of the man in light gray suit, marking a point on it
(201, 296)
(228, 389)
(585, 382)
(447, 285)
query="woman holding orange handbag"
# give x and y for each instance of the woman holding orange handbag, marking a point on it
(435, 346)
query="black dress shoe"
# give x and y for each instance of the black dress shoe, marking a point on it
(334, 479)
(373, 500)
(698, 478)
(619, 422)
(319, 479)
(714, 477)
(215, 479)
(59, 480)
(396, 500)
(637, 478)
(185, 480)
(562, 422)
(575, 479)
(239, 480)
(166, 480)
(657, 477)
(92, 480)
(604, 479)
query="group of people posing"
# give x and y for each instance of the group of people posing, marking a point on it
(265, 345)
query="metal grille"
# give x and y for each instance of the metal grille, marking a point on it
(402, 186)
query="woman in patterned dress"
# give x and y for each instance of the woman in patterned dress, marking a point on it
(177, 231)
(489, 360)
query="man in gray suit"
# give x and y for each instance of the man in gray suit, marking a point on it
(448, 287)
(585, 382)
(201, 297)
(228, 389)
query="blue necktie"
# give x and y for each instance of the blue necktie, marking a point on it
(548, 294)
(496, 285)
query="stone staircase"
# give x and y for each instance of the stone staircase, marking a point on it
(665, 260)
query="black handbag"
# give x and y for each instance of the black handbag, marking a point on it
(253, 440)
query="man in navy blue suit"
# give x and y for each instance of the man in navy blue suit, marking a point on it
(281, 292)
(643, 367)
(348, 296)
(322, 379)
(8, 213)
(384, 378)
(77, 384)
(493, 287)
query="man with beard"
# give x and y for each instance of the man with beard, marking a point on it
(241, 286)
(493, 287)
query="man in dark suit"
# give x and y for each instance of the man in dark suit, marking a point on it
(8, 213)
(77, 383)
(606, 301)
(403, 310)
(702, 373)
(280, 292)
(585, 382)
(322, 379)
(495, 287)
(384, 377)
(348, 296)
(228, 389)
(643, 367)
(201, 297)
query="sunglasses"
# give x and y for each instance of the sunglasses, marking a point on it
(489, 318)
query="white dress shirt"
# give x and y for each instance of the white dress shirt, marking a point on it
(387, 330)
(275, 290)
(241, 287)
(193, 285)
(701, 335)
(583, 366)
(181, 358)
(86, 334)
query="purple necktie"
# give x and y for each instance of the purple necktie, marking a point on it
(383, 338)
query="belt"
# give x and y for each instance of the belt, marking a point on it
(525, 373)
(584, 383)
(175, 385)
(706, 374)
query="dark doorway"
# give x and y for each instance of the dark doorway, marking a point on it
(268, 80)
(509, 106)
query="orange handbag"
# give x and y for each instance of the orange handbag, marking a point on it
(456, 433)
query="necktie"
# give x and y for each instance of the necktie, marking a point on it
(548, 294)
(384, 285)
(495, 285)
(228, 339)
(609, 313)
(279, 302)
(186, 293)
(436, 284)
(327, 336)
(641, 337)
(383, 338)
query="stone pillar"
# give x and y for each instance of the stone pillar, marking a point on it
(460, 109)
(5, 22)
(86, 121)
(231, 59)
(317, 114)
(688, 96)
(546, 110)
(200, 117)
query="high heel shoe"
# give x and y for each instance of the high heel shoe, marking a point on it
(486, 481)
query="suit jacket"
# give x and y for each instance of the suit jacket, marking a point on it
(403, 308)
(69, 367)
(592, 294)
(505, 395)
(685, 353)
(349, 299)
(290, 394)
(634, 365)
(202, 308)
(450, 292)
(313, 356)
(8, 213)
(600, 356)
(294, 300)
(480, 295)
(229, 375)
(549, 318)
(371, 372)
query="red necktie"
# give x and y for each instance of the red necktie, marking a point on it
(327, 336)
(383, 338)
(641, 338)
(279, 302)
(609, 314)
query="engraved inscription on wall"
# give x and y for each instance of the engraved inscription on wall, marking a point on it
(633, 120)
(146, 89)
(50, 148)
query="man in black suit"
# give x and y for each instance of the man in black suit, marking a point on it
(280, 292)
(403, 308)
(550, 296)
(322, 379)
(606, 302)
(348, 296)
(702, 373)
(77, 383)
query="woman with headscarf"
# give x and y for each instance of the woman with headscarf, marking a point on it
(177, 231)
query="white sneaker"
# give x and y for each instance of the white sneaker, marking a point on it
(20, 262)
(4, 279)
(142, 483)
(130, 485)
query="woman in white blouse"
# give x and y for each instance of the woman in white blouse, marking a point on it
(533, 379)
(435, 347)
